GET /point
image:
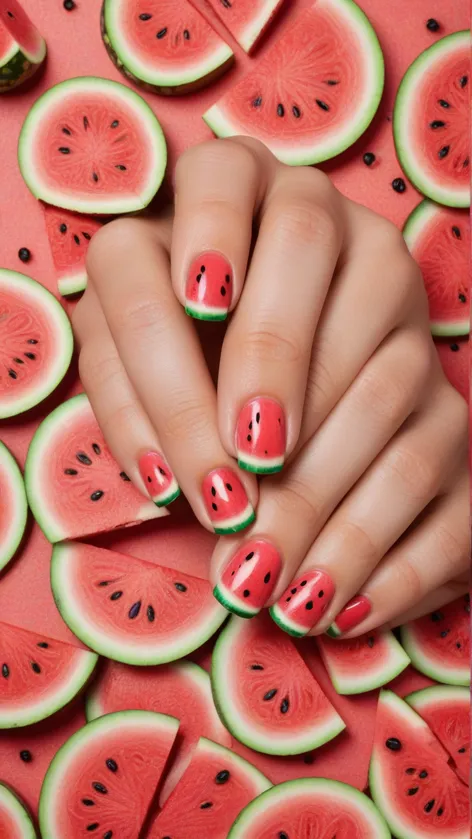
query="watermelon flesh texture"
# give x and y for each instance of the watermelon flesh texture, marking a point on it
(69, 235)
(22, 49)
(116, 762)
(301, 121)
(246, 20)
(13, 509)
(454, 356)
(363, 663)
(439, 643)
(15, 821)
(446, 709)
(410, 780)
(214, 789)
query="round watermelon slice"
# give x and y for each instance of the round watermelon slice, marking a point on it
(430, 121)
(35, 343)
(15, 821)
(439, 643)
(163, 46)
(265, 693)
(74, 485)
(446, 709)
(312, 108)
(22, 49)
(103, 780)
(410, 780)
(13, 509)
(439, 241)
(247, 20)
(454, 356)
(69, 236)
(310, 807)
(38, 675)
(94, 146)
(364, 663)
(131, 610)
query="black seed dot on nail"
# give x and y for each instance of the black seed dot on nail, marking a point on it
(111, 765)
(246, 592)
(199, 276)
(413, 790)
(180, 587)
(214, 506)
(250, 426)
(293, 590)
(249, 556)
(202, 269)
(303, 582)
(270, 695)
(249, 438)
(223, 291)
(394, 744)
(227, 278)
(309, 605)
(116, 595)
(124, 476)
(162, 471)
(76, 239)
(258, 417)
(101, 788)
(321, 593)
(222, 777)
(288, 599)
(213, 491)
(267, 577)
(26, 756)
(149, 479)
(86, 236)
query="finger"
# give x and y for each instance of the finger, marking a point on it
(434, 600)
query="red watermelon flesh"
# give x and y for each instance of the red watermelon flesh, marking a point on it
(15, 25)
(455, 359)
(247, 20)
(364, 663)
(439, 643)
(69, 236)
(15, 822)
(13, 507)
(446, 709)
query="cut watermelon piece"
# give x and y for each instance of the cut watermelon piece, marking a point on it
(94, 146)
(454, 356)
(14, 507)
(131, 610)
(439, 241)
(439, 643)
(69, 236)
(431, 121)
(163, 46)
(446, 709)
(306, 110)
(105, 777)
(38, 675)
(22, 49)
(265, 693)
(410, 780)
(74, 485)
(364, 663)
(35, 344)
(15, 821)
(216, 786)
(247, 20)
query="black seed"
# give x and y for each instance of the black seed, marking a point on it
(214, 506)
(63, 228)
(443, 103)
(222, 290)
(458, 645)
(115, 123)
(35, 667)
(249, 438)
(199, 276)
(249, 556)
(104, 583)
(393, 743)
(86, 123)
(108, 835)
(124, 476)
(284, 706)
(433, 25)
(288, 599)
(296, 112)
(454, 347)
(410, 771)
(229, 487)
(145, 16)
(399, 185)
(69, 5)
(429, 806)
(456, 231)
(283, 835)
(64, 149)
(267, 577)
(120, 167)
(12, 374)
(26, 756)
(43, 644)
(134, 611)
(10, 14)
(186, 35)
(18, 361)
(227, 278)
(461, 751)
(321, 593)
(440, 811)
(162, 33)
(95, 825)
(256, 667)
(309, 605)
(322, 105)
(96, 448)
(32, 341)
(213, 491)
(88, 802)
(444, 633)
(423, 773)
(222, 777)
(100, 788)
(202, 269)
(83, 458)
(206, 805)
(97, 495)
(293, 591)
(442, 153)
(437, 123)
(246, 592)
(24, 254)
(111, 764)
(269, 695)
(150, 614)
(463, 81)
(70, 472)
(116, 595)
(413, 791)
(30, 355)
(466, 162)
(257, 102)
(437, 616)
(280, 110)
(370, 642)
(369, 158)
(462, 298)
(258, 417)
(67, 131)
(162, 471)
(86, 236)
(331, 82)
(180, 587)
(5, 671)
(76, 239)
(95, 177)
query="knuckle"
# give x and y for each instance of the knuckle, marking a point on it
(417, 362)
(217, 156)
(270, 344)
(453, 547)
(187, 420)
(297, 502)
(103, 369)
(382, 395)
(356, 541)
(306, 222)
(419, 476)
(138, 316)
(409, 579)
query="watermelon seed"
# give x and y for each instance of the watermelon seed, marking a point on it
(443, 103)
(410, 771)
(456, 231)
(213, 491)
(454, 347)
(462, 298)
(229, 487)
(331, 82)
(26, 756)
(227, 278)
(64, 149)
(283, 835)
(120, 167)
(32, 341)
(256, 667)
(69, 5)
(88, 802)
(257, 102)
(413, 791)
(186, 35)
(162, 471)
(246, 592)
(285, 705)
(399, 185)
(83, 458)
(463, 81)
(393, 743)
(222, 290)
(67, 131)
(206, 805)
(24, 254)
(369, 158)
(445, 633)
(97, 495)
(108, 834)
(134, 611)
(180, 587)
(30, 355)
(249, 438)
(461, 751)
(18, 361)
(116, 595)
(145, 16)
(162, 33)
(214, 506)
(199, 276)
(43, 644)
(35, 667)
(99, 788)
(70, 472)
(63, 228)
(95, 177)
(437, 616)
(111, 764)
(5, 671)
(222, 777)
(76, 239)
(86, 123)
(150, 614)
(321, 593)
(202, 269)
(322, 105)
(458, 645)
(440, 811)
(303, 583)
(269, 695)
(309, 605)
(115, 123)
(280, 110)
(429, 806)
(267, 577)
(437, 123)
(104, 583)
(226, 4)
(442, 153)
(258, 417)
(12, 374)
(124, 476)
(423, 773)
(86, 236)
(95, 825)
(249, 556)
(96, 448)
(433, 25)
(10, 14)
(370, 642)
(288, 599)
(296, 112)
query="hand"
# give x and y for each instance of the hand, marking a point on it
(328, 352)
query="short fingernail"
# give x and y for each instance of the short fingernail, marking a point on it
(303, 603)
(261, 436)
(353, 613)
(158, 478)
(209, 288)
(249, 578)
(226, 501)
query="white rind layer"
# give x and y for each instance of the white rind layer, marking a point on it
(10, 804)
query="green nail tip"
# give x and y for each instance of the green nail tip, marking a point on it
(283, 626)
(166, 501)
(332, 632)
(218, 594)
(204, 316)
(260, 470)
(225, 531)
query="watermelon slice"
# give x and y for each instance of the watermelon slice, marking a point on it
(410, 780)
(131, 610)
(163, 46)
(310, 807)
(265, 693)
(454, 356)
(363, 663)
(94, 146)
(38, 675)
(439, 241)
(15, 821)
(439, 643)
(74, 485)
(214, 789)
(13, 509)
(69, 236)
(305, 110)
(105, 777)
(247, 20)
(35, 343)
(22, 49)
(446, 709)
(431, 121)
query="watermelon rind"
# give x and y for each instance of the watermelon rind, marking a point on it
(10, 803)
(367, 678)
(13, 534)
(312, 788)
(37, 181)
(257, 24)
(59, 322)
(287, 624)
(421, 699)
(204, 312)
(407, 148)
(432, 667)
(73, 283)
(233, 524)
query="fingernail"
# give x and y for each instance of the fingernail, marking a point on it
(303, 603)
(353, 613)
(261, 436)
(249, 578)
(226, 501)
(158, 478)
(209, 287)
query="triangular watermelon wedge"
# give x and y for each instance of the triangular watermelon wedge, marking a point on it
(246, 20)
(357, 665)
(69, 236)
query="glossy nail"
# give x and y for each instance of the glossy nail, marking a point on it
(353, 613)
(158, 478)
(249, 578)
(226, 501)
(261, 436)
(209, 287)
(303, 603)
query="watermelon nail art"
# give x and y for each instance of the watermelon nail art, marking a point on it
(303, 603)
(226, 501)
(209, 287)
(158, 478)
(261, 436)
(249, 578)
(353, 613)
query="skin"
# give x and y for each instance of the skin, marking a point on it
(330, 319)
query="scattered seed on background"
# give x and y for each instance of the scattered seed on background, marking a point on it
(399, 185)
(433, 25)
(69, 5)
(24, 254)
(26, 756)
(393, 743)
(369, 158)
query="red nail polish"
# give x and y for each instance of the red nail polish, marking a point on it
(158, 478)
(226, 501)
(303, 603)
(353, 613)
(209, 288)
(249, 578)
(261, 436)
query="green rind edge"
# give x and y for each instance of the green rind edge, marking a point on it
(260, 470)
(381, 677)
(231, 607)
(200, 316)
(16, 480)
(168, 499)
(413, 649)
(16, 70)
(18, 812)
(284, 626)
(224, 531)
